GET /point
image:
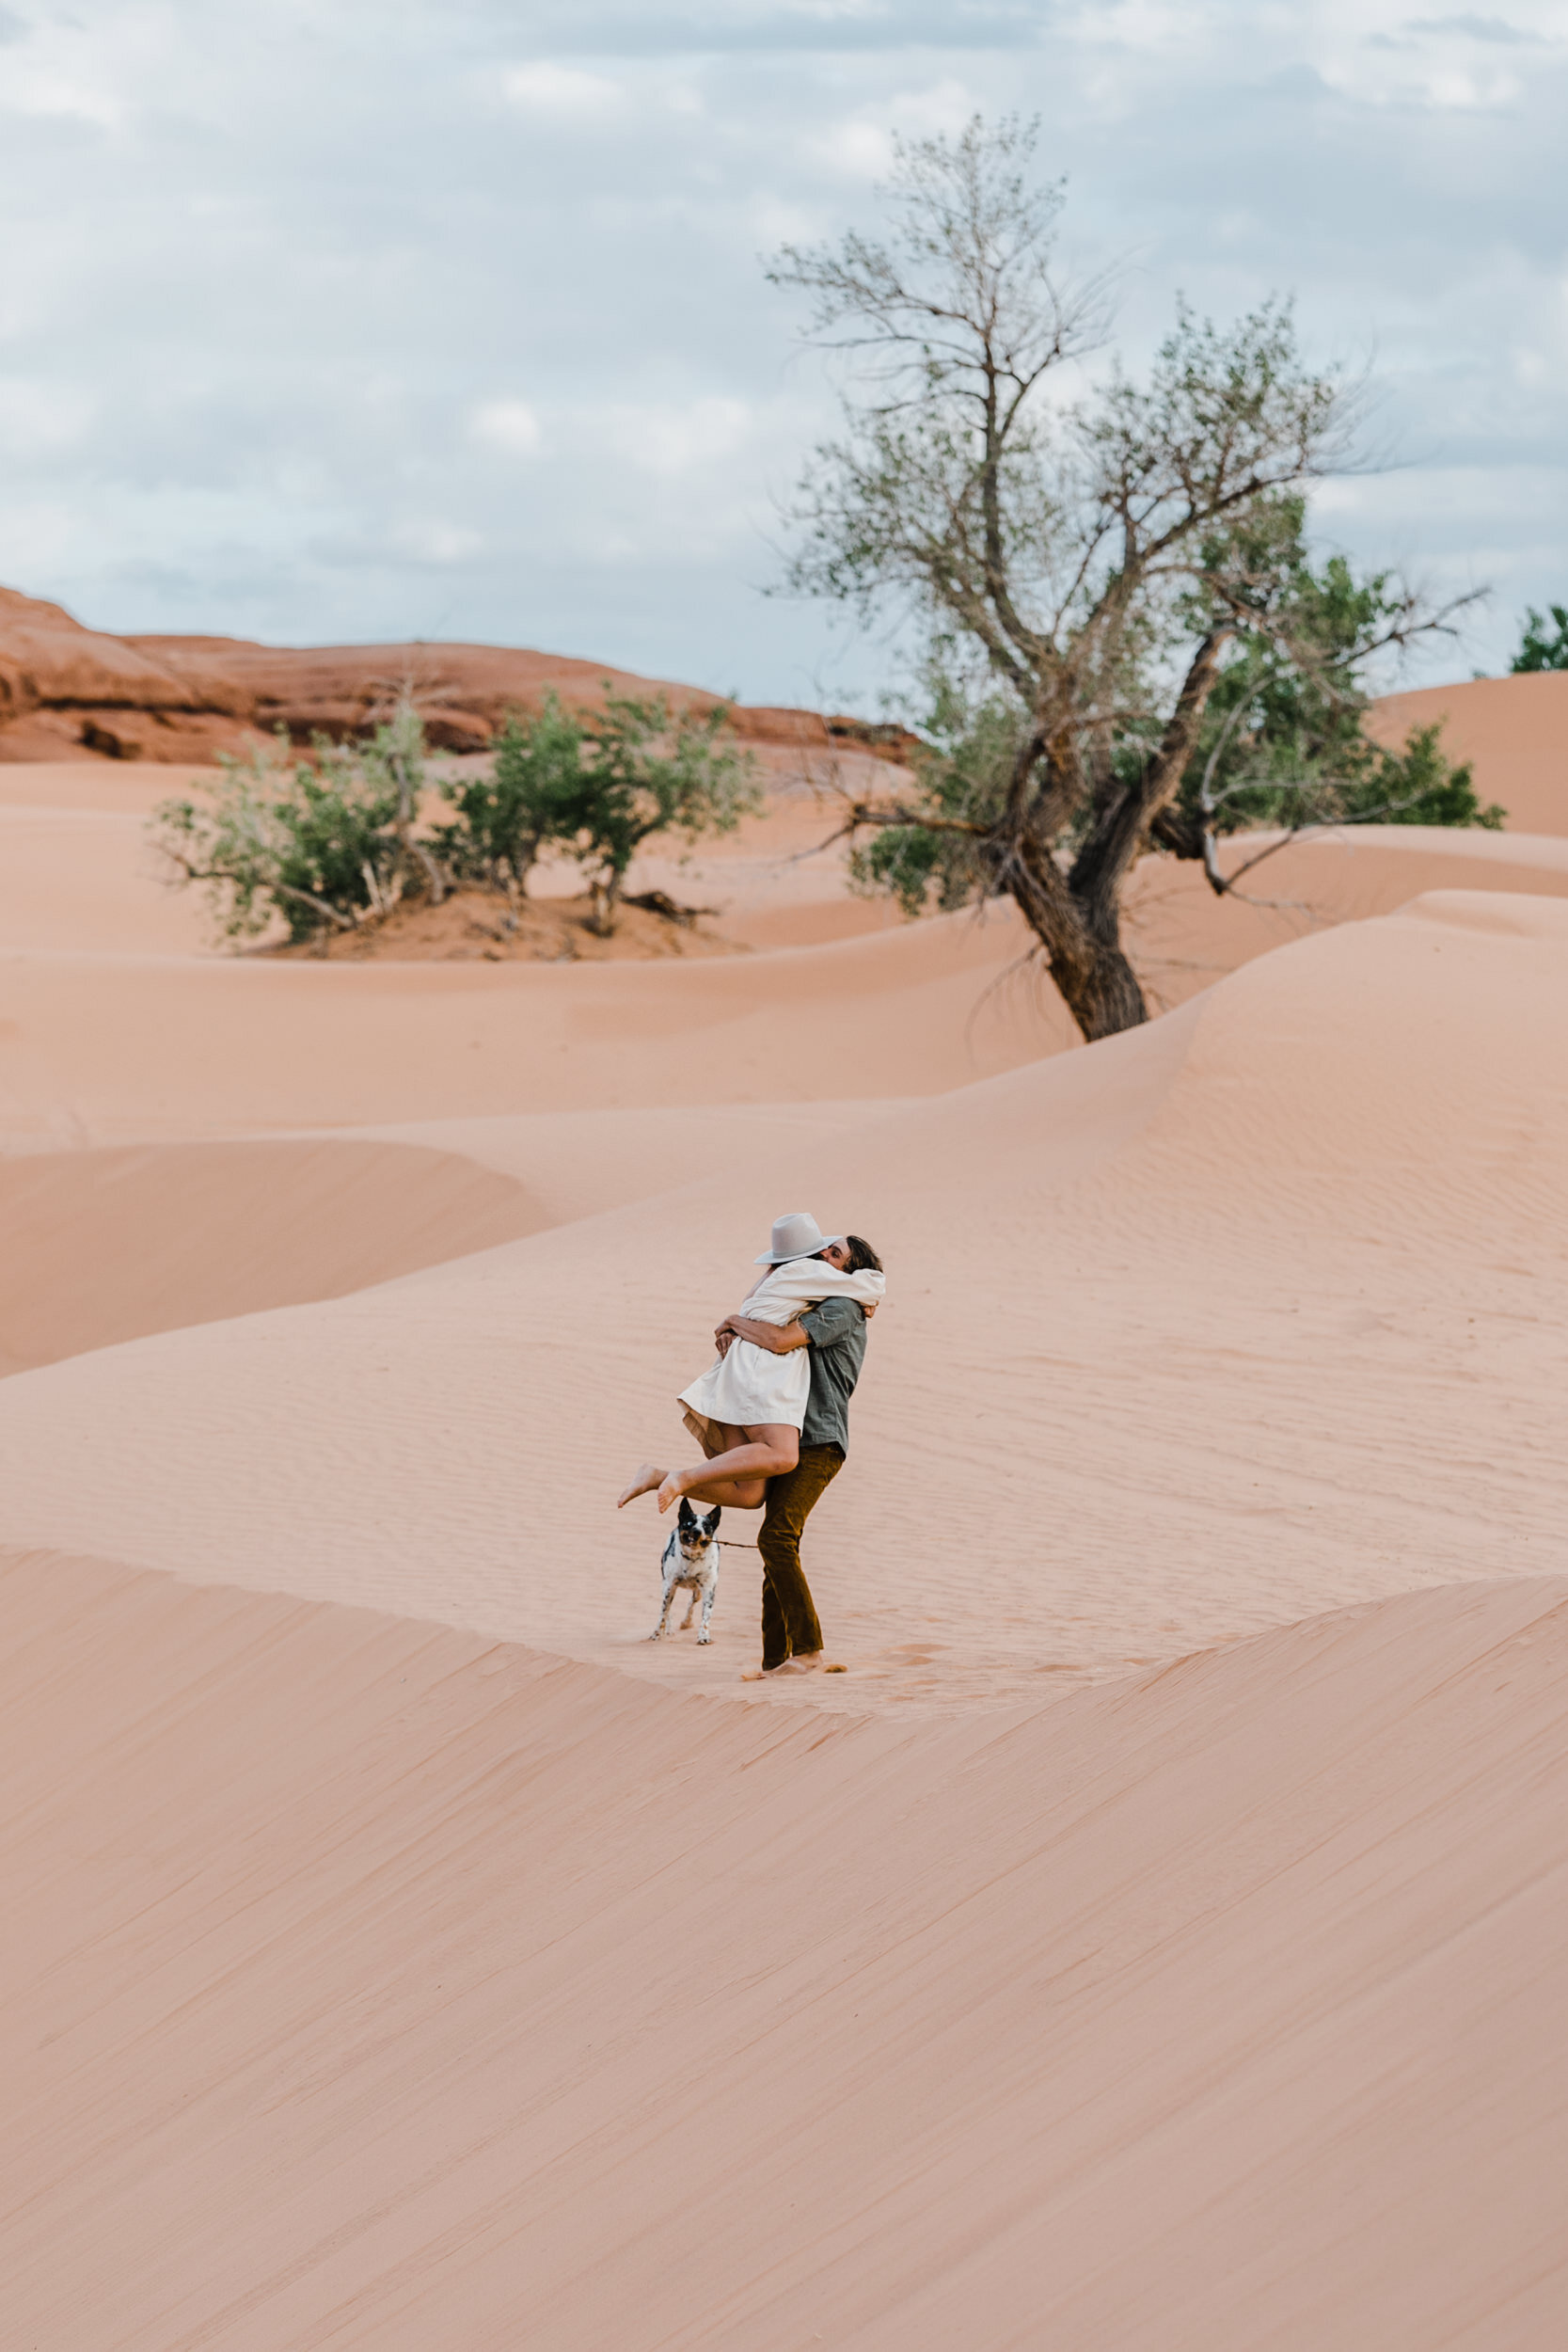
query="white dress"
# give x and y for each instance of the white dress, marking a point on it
(750, 1385)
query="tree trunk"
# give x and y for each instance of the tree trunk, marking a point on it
(606, 893)
(1105, 999)
(1082, 946)
(1077, 916)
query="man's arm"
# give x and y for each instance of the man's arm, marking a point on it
(821, 1326)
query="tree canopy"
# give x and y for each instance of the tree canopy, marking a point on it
(1090, 567)
(1541, 648)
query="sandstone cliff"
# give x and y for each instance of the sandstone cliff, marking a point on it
(66, 691)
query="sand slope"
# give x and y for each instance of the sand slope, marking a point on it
(104, 1246)
(1250, 1313)
(106, 1049)
(367, 1987)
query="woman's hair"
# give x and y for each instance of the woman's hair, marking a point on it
(863, 1257)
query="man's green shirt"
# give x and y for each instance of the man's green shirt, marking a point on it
(836, 1332)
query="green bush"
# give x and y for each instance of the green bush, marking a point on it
(318, 843)
(332, 841)
(533, 796)
(644, 773)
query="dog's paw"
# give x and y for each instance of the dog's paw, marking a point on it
(702, 1639)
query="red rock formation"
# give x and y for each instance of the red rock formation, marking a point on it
(66, 691)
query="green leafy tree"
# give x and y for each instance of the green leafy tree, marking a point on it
(535, 793)
(1097, 560)
(1537, 649)
(646, 771)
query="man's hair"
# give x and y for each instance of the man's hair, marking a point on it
(863, 1257)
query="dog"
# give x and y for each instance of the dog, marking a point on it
(690, 1559)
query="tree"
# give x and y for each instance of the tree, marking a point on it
(1537, 651)
(532, 795)
(642, 772)
(1099, 563)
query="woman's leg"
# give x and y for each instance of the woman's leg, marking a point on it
(769, 1448)
(716, 1437)
(735, 1494)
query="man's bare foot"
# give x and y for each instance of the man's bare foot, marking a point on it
(647, 1478)
(808, 1664)
(673, 1486)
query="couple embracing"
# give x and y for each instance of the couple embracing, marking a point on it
(771, 1415)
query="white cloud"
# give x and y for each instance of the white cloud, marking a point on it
(861, 146)
(437, 541)
(860, 151)
(562, 91)
(671, 440)
(511, 425)
(26, 89)
(37, 417)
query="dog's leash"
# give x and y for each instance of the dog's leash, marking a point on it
(730, 1544)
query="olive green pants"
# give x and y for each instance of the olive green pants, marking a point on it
(789, 1621)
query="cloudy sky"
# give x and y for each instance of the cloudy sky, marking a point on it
(335, 320)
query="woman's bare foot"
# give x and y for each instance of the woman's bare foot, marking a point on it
(647, 1478)
(674, 1485)
(808, 1664)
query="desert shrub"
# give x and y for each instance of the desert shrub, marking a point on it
(646, 771)
(533, 795)
(317, 844)
(333, 840)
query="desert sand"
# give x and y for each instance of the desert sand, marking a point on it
(1151, 1939)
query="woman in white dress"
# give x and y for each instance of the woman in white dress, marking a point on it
(745, 1410)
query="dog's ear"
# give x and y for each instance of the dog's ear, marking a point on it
(687, 1515)
(714, 1516)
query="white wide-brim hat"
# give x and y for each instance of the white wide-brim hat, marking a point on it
(795, 1236)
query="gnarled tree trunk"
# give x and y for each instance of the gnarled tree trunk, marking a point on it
(1076, 916)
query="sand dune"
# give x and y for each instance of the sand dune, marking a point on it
(1238, 1317)
(108, 1049)
(104, 1246)
(370, 1987)
(107, 1246)
(1150, 1940)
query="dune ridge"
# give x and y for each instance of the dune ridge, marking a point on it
(462, 1996)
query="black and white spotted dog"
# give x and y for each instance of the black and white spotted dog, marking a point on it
(690, 1559)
